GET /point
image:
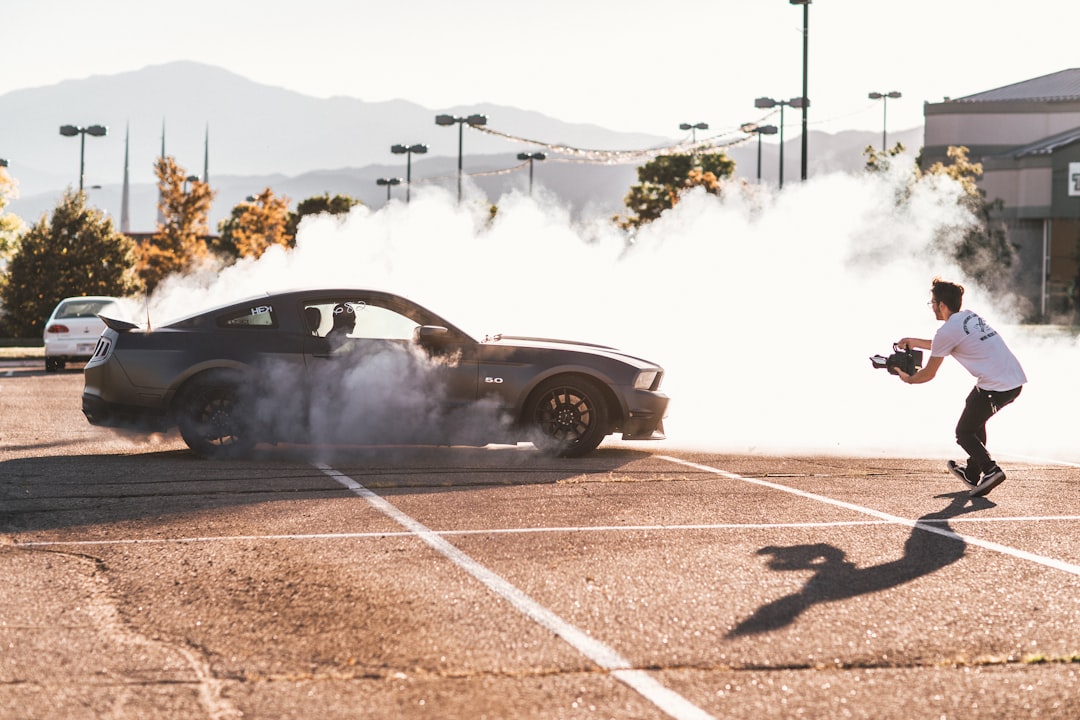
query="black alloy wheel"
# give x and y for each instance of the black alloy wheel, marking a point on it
(212, 418)
(570, 416)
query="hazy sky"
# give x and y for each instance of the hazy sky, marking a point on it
(627, 65)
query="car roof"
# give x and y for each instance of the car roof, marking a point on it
(290, 295)
(84, 298)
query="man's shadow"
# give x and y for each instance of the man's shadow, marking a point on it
(836, 578)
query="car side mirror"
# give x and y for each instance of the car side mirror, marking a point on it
(431, 335)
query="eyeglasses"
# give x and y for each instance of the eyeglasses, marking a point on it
(931, 303)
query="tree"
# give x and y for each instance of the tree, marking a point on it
(984, 251)
(664, 178)
(253, 226)
(11, 226)
(180, 240)
(78, 252)
(318, 204)
(877, 160)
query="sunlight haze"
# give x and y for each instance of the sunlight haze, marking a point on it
(630, 65)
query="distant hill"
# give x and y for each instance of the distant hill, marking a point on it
(300, 146)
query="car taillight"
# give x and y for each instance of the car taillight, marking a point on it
(101, 352)
(55, 329)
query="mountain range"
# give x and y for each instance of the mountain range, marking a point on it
(246, 136)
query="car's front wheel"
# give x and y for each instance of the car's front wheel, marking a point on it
(569, 416)
(212, 416)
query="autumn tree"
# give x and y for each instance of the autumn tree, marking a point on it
(180, 241)
(253, 226)
(664, 178)
(11, 226)
(983, 251)
(76, 252)
(320, 204)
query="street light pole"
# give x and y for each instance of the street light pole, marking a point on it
(799, 102)
(759, 130)
(472, 120)
(408, 150)
(72, 131)
(884, 98)
(693, 128)
(805, 57)
(389, 183)
(530, 157)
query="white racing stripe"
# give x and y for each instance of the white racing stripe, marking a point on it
(921, 525)
(643, 683)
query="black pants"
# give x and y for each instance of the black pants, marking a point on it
(971, 430)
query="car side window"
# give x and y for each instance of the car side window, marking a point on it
(373, 321)
(256, 316)
(360, 318)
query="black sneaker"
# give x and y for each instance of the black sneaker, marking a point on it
(961, 472)
(990, 480)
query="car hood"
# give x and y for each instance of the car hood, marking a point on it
(503, 340)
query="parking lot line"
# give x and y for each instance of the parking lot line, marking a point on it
(919, 524)
(667, 700)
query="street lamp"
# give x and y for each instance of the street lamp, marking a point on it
(3, 162)
(799, 102)
(693, 129)
(389, 183)
(884, 98)
(805, 55)
(530, 157)
(759, 130)
(408, 150)
(189, 178)
(472, 120)
(72, 131)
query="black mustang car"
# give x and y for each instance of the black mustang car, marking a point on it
(351, 366)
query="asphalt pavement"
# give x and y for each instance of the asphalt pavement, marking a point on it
(643, 581)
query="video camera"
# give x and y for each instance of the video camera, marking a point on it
(907, 360)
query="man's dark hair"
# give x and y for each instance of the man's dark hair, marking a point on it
(950, 294)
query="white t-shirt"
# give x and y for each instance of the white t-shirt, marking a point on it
(982, 352)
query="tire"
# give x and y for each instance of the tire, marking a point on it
(212, 417)
(53, 365)
(568, 416)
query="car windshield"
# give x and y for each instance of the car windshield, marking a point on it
(82, 308)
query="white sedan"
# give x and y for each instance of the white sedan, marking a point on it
(71, 332)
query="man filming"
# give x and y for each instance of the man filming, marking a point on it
(998, 379)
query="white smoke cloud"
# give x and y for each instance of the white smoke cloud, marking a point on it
(762, 306)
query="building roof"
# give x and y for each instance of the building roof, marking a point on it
(1048, 145)
(1062, 86)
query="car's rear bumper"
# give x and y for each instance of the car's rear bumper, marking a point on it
(70, 349)
(106, 414)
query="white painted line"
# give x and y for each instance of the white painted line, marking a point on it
(445, 533)
(920, 524)
(1041, 460)
(643, 683)
(1027, 519)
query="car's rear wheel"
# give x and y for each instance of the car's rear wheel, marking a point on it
(53, 364)
(212, 416)
(569, 416)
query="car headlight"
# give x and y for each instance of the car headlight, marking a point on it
(645, 379)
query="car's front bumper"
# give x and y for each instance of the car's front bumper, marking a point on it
(645, 416)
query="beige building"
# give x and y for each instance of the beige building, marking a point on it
(1027, 136)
